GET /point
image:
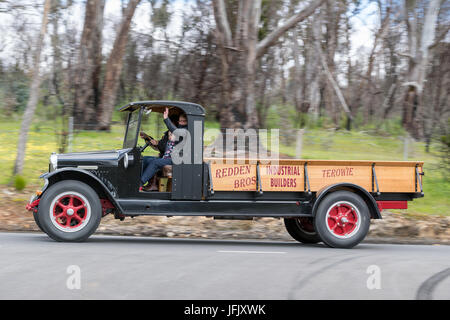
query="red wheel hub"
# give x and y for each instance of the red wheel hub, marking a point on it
(342, 219)
(306, 224)
(69, 211)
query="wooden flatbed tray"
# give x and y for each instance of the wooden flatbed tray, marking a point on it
(313, 175)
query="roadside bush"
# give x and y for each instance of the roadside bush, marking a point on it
(19, 183)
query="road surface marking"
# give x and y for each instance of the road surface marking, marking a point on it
(426, 289)
(275, 252)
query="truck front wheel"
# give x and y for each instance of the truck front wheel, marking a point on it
(302, 229)
(36, 219)
(342, 219)
(69, 211)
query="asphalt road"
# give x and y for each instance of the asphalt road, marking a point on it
(32, 266)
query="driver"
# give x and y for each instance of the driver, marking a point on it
(151, 165)
(160, 145)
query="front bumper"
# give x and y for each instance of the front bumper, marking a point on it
(33, 204)
(34, 200)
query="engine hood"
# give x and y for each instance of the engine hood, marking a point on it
(106, 158)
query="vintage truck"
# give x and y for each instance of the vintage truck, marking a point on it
(320, 200)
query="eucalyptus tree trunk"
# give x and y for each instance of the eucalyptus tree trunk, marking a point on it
(114, 68)
(419, 56)
(238, 57)
(34, 94)
(58, 82)
(312, 74)
(239, 52)
(328, 72)
(87, 77)
(390, 43)
(296, 79)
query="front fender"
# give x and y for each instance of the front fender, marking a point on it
(84, 176)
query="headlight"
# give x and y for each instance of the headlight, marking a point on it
(53, 162)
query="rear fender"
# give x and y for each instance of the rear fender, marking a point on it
(366, 196)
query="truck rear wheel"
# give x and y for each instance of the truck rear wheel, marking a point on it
(342, 219)
(69, 211)
(302, 229)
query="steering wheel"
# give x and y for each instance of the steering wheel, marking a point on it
(147, 143)
(147, 140)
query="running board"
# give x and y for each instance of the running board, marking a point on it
(216, 208)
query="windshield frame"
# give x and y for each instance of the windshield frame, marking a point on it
(132, 143)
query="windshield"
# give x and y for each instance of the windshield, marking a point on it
(132, 130)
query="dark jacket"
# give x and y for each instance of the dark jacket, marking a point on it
(163, 141)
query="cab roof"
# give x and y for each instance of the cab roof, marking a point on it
(159, 106)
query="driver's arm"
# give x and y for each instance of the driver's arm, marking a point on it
(147, 138)
(154, 144)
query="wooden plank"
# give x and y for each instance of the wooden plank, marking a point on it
(321, 176)
(282, 177)
(396, 179)
(233, 177)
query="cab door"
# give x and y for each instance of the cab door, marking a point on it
(187, 181)
(130, 163)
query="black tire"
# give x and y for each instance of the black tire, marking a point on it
(72, 226)
(301, 231)
(333, 229)
(35, 216)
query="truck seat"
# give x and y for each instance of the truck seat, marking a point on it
(165, 181)
(167, 171)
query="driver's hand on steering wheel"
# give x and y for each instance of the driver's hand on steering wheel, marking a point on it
(144, 136)
(147, 138)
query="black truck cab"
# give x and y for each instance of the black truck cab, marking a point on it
(187, 176)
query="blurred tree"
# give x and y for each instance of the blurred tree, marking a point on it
(59, 80)
(113, 69)
(160, 15)
(243, 60)
(419, 42)
(437, 96)
(326, 60)
(34, 93)
(366, 84)
(129, 87)
(18, 87)
(89, 63)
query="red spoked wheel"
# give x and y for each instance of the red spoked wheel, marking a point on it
(70, 211)
(343, 219)
(306, 224)
(302, 229)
